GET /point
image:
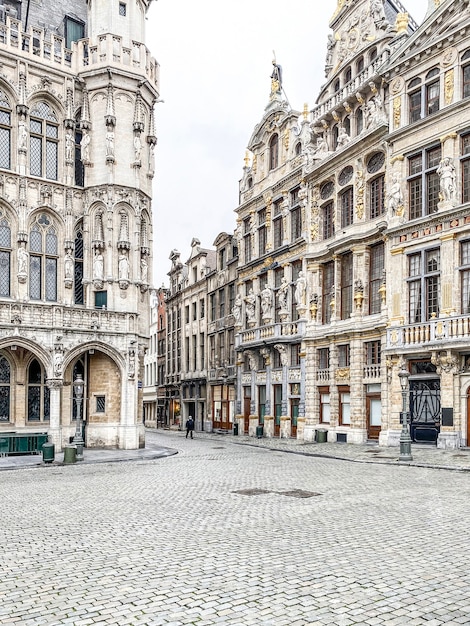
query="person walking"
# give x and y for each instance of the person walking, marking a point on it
(189, 427)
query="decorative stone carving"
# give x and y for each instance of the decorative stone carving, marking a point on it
(446, 172)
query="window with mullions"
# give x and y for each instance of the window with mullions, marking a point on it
(415, 100)
(432, 90)
(5, 257)
(4, 390)
(38, 394)
(377, 197)
(79, 295)
(465, 276)
(296, 223)
(466, 75)
(43, 260)
(79, 167)
(424, 285)
(347, 207)
(465, 160)
(327, 290)
(278, 232)
(43, 141)
(376, 268)
(423, 182)
(262, 232)
(346, 285)
(328, 220)
(5, 132)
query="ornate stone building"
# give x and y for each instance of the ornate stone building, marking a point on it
(77, 140)
(353, 239)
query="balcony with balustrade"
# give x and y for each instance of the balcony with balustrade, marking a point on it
(281, 331)
(437, 333)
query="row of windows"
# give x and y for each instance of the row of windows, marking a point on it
(424, 96)
(372, 355)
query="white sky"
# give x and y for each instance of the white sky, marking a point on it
(215, 65)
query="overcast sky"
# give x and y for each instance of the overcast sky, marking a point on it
(215, 65)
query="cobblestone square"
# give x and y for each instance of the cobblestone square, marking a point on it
(238, 535)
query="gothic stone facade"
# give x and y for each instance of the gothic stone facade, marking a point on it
(76, 166)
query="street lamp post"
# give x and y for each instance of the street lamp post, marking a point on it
(78, 385)
(405, 439)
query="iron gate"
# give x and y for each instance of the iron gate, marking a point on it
(425, 410)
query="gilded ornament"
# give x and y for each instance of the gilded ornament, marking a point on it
(449, 86)
(402, 22)
(397, 112)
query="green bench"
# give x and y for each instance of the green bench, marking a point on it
(26, 443)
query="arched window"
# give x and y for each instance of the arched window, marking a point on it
(79, 297)
(298, 148)
(38, 394)
(43, 142)
(415, 98)
(5, 132)
(4, 390)
(5, 257)
(373, 55)
(360, 65)
(337, 85)
(347, 75)
(43, 250)
(432, 91)
(273, 152)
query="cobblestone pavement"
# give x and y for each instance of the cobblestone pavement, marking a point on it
(240, 535)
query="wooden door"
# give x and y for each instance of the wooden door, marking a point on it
(374, 415)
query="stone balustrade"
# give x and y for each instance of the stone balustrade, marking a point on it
(435, 331)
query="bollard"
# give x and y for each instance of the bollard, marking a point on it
(70, 454)
(48, 452)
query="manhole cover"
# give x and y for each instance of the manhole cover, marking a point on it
(299, 493)
(252, 492)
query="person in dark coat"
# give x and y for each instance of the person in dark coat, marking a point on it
(189, 427)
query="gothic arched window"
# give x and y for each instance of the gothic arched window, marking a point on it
(38, 394)
(4, 390)
(43, 250)
(43, 142)
(5, 132)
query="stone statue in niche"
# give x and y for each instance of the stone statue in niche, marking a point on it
(123, 267)
(446, 173)
(85, 146)
(98, 265)
(250, 306)
(267, 301)
(237, 309)
(395, 196)
(300, 289)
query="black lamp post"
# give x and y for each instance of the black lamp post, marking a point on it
(78, 385)
(405, 439)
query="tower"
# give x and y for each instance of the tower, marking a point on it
(77, 98)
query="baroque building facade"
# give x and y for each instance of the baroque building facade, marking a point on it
(353, 243)
(77, 93)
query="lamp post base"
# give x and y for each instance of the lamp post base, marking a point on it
(405, 446)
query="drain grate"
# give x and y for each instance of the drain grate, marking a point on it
(293, 493)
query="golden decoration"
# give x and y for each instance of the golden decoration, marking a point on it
(360, 194)
(397, 112)
(449, 87)
(402, 22)
(342, 373)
